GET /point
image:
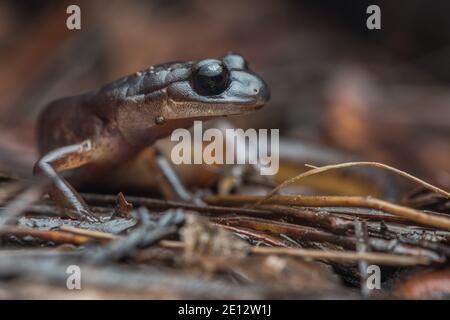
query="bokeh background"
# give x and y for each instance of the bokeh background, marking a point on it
(383, 95)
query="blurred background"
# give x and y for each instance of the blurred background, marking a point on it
(382, 95)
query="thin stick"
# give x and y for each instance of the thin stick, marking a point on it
(255, 235)
(330, 255)
(323, 219)
(338, 201)
(362, 246)
(345, 256)
(55, 236)
(172, 244)
(162, 205)
(289, 229)
(98, 235)
(317, 170)
(16, 206)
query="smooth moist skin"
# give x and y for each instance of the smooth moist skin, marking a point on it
(96, 131)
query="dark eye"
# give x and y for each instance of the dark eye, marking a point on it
(210, 77)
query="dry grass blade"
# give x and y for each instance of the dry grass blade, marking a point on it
(317, 170)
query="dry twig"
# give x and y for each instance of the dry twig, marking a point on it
(439, 222)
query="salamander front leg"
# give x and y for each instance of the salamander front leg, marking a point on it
(65, 158)
(170, 183)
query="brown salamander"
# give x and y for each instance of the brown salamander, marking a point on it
(98, 130)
